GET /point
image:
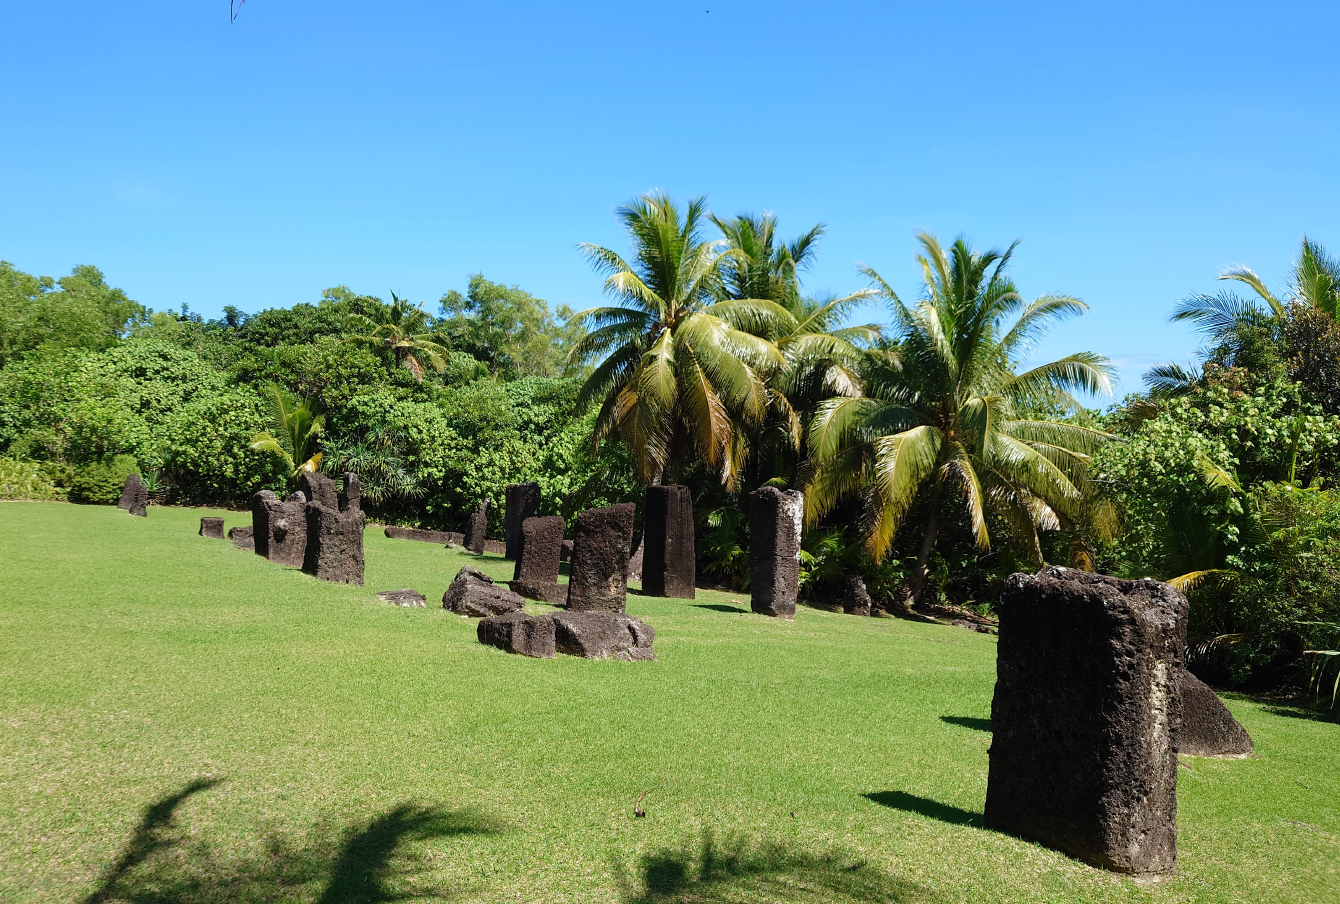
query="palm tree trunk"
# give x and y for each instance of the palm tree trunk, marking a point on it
(917, 580)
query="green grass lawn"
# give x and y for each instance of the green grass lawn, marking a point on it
(181, 721)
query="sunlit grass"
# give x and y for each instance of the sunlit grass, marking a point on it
(351, 751)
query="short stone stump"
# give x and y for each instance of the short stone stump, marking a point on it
(242, 538)
(212, 528)
(407, 598)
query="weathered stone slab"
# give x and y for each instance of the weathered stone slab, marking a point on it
(242, 538)
(1208, 728)
(351, 493)
(317, 487)
(1085, 717)
(602, 635)
(522, 502)
(635, 561)
(134, 496)
(598, 578)
(473, 593)
(775, 523)
(441, 537)
(334, 544)
(408, 598)
(517, 632)
(212, 528)
(475, 530)
(536, 574)
(669, 566)
(279, 529)
(856, 601)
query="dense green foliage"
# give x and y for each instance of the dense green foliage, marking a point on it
(329, 748)
(935, 462)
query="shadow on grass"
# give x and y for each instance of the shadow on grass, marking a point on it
(1299, 712)
(736, 870)
(968, 722)
(362, 864)
(721, 607)
(901, 800)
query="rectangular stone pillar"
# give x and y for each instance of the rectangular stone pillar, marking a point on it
(536, 574)
(334, 544)
(598, 577)
(478, 526)
(669, 567)
(776, 519)
(522, 502)
(1085, 713)
(279, 529)
(212, 528)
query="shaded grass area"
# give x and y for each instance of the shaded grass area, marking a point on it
(183, 722)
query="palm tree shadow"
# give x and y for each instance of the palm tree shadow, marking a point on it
(162, 864)
(901, 800)
(713, 873)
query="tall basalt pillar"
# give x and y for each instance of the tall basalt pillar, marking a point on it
(522, 502)
(775, 524)
(668, 559)
(279, 528)
(477, 528)
(334, 534)
(598, 577)
(537, 562)
(1085, 717)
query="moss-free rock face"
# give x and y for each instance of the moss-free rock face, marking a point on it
(134, 496)
(522, 502)
(590, 635)
(473, 593)
(774, 550)
(475, 530)
(669, 561)
(1208, 728)
(334, 544)
(536, 574)
(1085, 717)
(279, 528)
(212, 528)
(601, 545)
(517, 632)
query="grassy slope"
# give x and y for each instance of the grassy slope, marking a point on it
(362, 751)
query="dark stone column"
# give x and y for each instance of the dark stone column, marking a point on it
(212, 528)
(536, 574)
(134, 496)
(351, 495)
(1208, 728)
(857, 599)
(1085, 717)
(598, 577)
(775, 523)
(334, 544)
(475, 530)
(668, 563)
(523, 501)
(317, 487)
(279, 529)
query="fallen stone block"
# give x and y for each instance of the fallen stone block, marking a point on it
(473, 593)
(408, 598)
(242, 538)
(440, 537)
(1208, 728)
(602, 635)
(517, 632)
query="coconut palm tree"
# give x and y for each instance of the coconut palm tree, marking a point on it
(294, 435)
(950, 422)
(680, 367)
(821, 357)
(403, 329)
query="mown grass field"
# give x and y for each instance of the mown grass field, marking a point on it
(181, 721)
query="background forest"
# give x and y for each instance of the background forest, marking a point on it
(935, 458)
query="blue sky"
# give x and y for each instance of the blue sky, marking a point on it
(1136, 149)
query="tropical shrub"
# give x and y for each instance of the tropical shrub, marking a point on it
(27, 480)
(100, 482)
